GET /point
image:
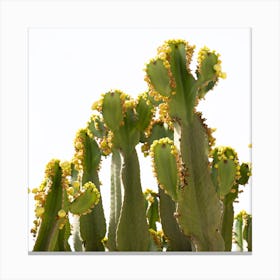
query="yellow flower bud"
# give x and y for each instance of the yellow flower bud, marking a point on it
(223, 75)
(39, 211)
(76, 184)
(61, 213)
(217, 67)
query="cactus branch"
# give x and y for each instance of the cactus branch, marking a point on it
(132, 231)
(116, 199)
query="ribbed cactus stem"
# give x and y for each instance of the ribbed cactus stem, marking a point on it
(227, 222)
(177, 241)
(92, 225)
(116, 199)
(247, 232)
(132, 231)
(199, 209)
(50, 222)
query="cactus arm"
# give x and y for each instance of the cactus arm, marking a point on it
(77, 240)
(243, 230)
(112, 110)
(145, 110)
(234, 175)
(176, 240)
(152, 208)
(152, 215)
(238, 236)
(49, 228)
(86, 200)
(228, 200)
(165, 157)
(199, 209)
(63, 236)
(116, 199)
(92, 225)
(227, 222)
(247, 232)
(158, 76)
(132, 231)
(183, 101)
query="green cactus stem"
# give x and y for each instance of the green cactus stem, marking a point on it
(63, 236)
(54, 202)
(132, 231)
(77, 240)
(243, 230)
(238, 236)
(228, 213)
(152, 208)
(116, 199)
(87, 160)
(170, 80)
(127, 120)
(165, 157)
(227, 180)
(156, 130)
(157, 241)
(199, 210)
(247, 232)
(176, 239)
(50, 200)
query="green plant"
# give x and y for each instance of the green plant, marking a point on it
(243, 231)
(197, 182)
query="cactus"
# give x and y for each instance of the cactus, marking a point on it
(176, 239)
(126, 119)
(243, 230)
(171, 80)
(198, 183)
(227, 174)
(116, 199)
(87, 159)
(55, 199)
(152, 208)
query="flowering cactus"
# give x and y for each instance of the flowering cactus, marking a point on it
(243, 230)
(55, 199)
(197, 182)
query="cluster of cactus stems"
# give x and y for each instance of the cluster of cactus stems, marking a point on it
(198, 183)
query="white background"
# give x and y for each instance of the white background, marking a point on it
(70, 68)
(16, 17)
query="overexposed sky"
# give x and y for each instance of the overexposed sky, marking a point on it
(70, 68)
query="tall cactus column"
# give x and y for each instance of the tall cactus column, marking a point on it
(87, 160)
(126, 118)
(170, 80)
